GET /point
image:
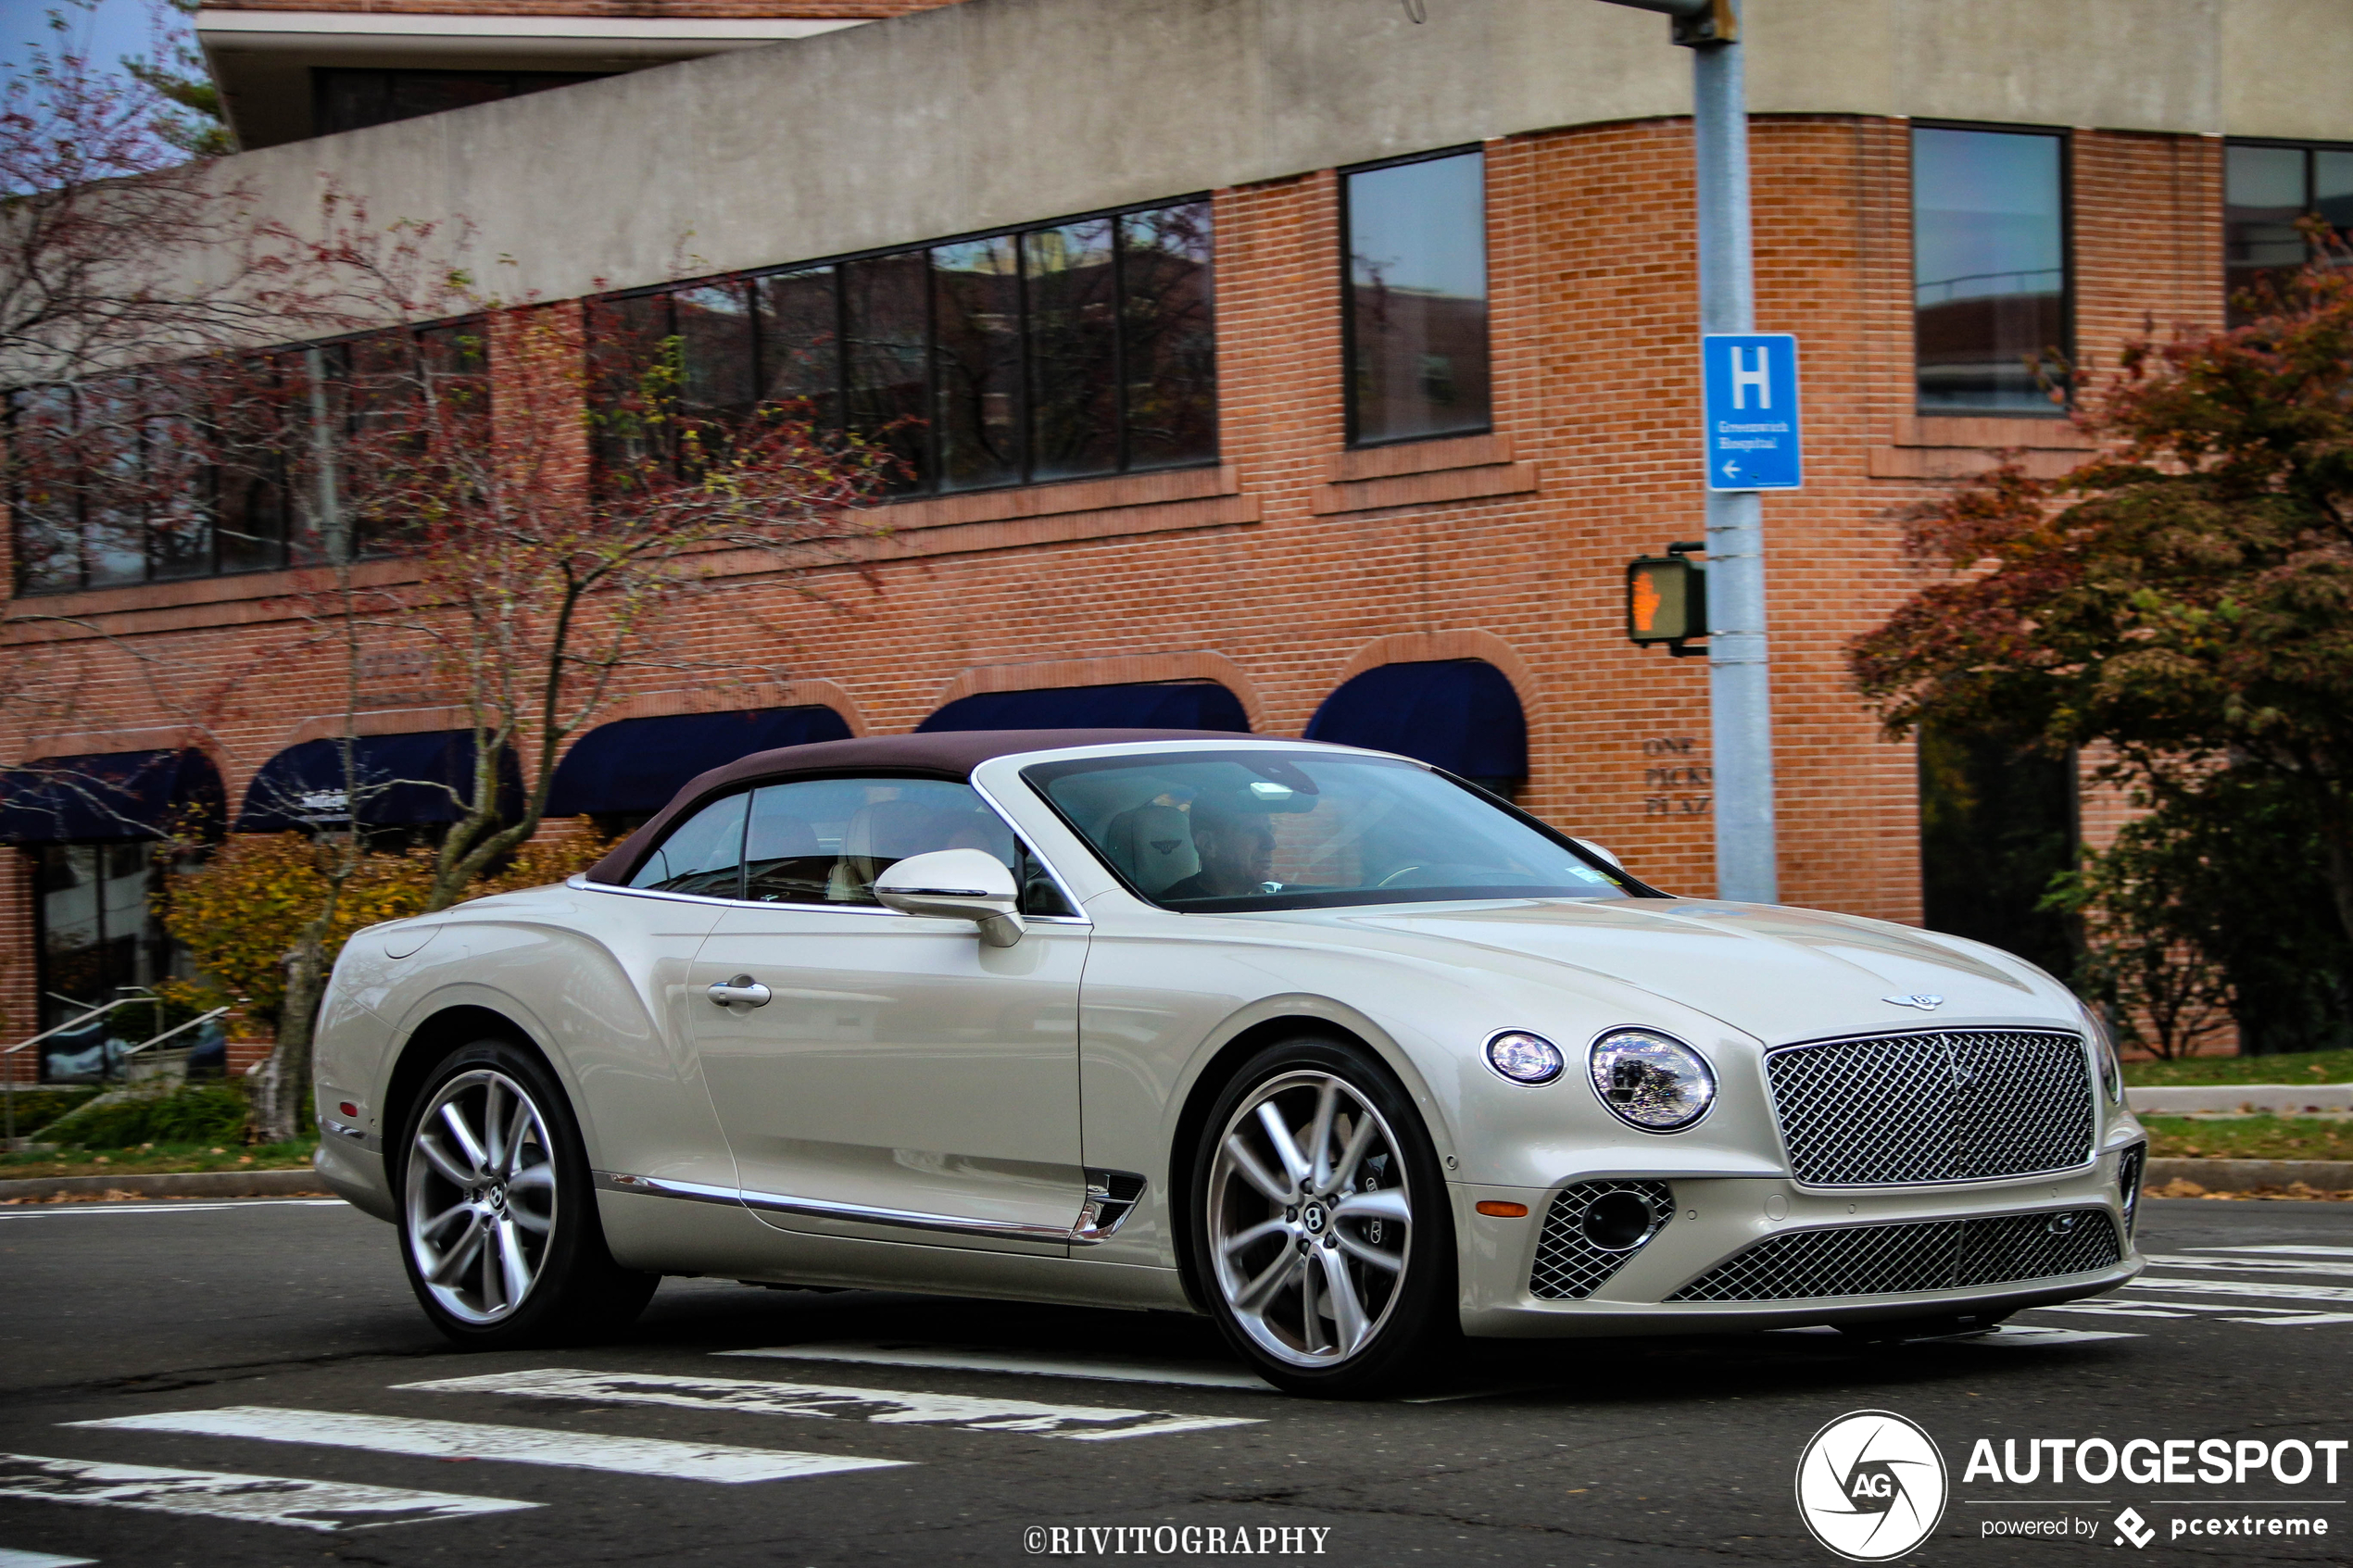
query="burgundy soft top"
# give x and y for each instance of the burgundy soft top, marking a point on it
(941, 754)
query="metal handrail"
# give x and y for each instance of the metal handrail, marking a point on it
(8, 1086)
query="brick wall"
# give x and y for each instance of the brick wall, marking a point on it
(1296, 564)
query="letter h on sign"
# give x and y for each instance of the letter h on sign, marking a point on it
(1753, 438)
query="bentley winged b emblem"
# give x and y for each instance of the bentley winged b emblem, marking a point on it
(1916, 999)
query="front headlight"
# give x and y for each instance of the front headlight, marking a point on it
(2103, 1050)
(1652, 1080)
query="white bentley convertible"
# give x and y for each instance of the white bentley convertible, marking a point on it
(1335, 1048)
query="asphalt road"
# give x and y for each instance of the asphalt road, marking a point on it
(275, 1340)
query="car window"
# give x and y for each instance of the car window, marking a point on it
(1273, 829)
(705, 854)
(823, 841)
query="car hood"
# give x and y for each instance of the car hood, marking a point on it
(1769, 971)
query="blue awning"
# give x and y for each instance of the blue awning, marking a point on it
(404, 780)
(635, 765)
(115, 795)
(1189, 705)
(1459, 714)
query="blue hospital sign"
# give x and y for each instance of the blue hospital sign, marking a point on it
(1752, 437)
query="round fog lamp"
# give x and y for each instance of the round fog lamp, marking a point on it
(1652, 1080)
(1618, 1220)
(1524, 1057)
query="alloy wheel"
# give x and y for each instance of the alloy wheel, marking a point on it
(480, 1195)
(1310, 1218)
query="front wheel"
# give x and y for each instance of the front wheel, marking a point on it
(1320, 1228)
(498, 1224)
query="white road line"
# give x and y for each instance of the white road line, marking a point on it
(55, 1211)
(2276, 1317)
(2286, 1249)
(2021, 1336)
(1040, 1364)
(2252, 1265)
(10, 1558)
(260, 1499)
(2285, 1290)
(517, 1445)
(1083, 1422)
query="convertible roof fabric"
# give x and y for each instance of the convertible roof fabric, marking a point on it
(111, 795)
(952, 754)
(1459, 714)
(1191, 705)
(638, 764)
(404, 780)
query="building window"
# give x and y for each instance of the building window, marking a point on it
(1068, 350)
(1997, 826)
(344, 99)
(207, 467)
(99, 934)
(2269, 187)
(1416, 299)
(1989, 269)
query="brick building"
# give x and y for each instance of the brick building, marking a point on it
(1408, 373)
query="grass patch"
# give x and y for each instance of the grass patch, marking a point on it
(2293, 1067)
(159, 1158)
(2249, 1137)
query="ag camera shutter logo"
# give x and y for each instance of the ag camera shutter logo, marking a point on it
(1871, 1486)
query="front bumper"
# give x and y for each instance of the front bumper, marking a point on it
(1718, 1219)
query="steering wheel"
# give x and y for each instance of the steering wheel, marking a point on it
(1401, 871)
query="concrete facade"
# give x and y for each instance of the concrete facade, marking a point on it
(1294, 562)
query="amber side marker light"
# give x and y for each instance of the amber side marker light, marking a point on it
(1505, 1211)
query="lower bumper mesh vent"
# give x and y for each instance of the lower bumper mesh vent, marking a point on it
(1923, 1255)
(1570, 1264)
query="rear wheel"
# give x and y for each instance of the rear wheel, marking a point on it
(1320, 1230)
(499, 1226)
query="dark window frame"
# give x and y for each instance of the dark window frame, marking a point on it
(927, 485)
(208, 485)
(2310, 209)
(1347, 259)
(2066, 138)
(519, 84)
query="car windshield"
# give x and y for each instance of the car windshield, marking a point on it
(1267, 830)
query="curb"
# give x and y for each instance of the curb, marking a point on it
(2241, 1176)
(170, 1184)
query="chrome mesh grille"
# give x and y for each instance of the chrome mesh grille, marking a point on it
(1568, 1267)
(1922, 1255)
(1958, 1105)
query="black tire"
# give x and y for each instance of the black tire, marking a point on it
(531, 1198)
(1298, 1337)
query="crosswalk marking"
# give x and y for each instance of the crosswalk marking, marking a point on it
(2278, 1289)
(1037, 1363)
(2252, 1266)
(2295, 1249)
(1083, 1422)
(518, 1444)
(12, 1558)
(263, 1499)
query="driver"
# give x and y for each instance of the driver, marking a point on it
(1237, 850)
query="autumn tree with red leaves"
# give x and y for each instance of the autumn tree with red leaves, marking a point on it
(2184, 600)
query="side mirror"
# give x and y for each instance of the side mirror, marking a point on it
(956, 884)
(1606, 853)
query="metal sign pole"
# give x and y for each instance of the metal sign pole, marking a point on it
(1739, 698)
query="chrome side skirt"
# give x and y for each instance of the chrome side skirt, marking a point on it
(1111, 1198)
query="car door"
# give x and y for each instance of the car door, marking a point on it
(900, 1079)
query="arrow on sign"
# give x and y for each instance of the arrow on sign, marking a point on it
(1732, 470)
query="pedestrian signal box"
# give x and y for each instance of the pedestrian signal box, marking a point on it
(1667, 600)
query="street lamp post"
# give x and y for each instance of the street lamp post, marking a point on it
(1740, 711)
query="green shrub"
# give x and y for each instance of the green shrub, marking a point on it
(37, 1108)
(199, 1113)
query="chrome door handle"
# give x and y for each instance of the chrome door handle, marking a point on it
(744, 989)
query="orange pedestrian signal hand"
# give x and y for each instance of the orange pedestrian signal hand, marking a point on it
(1665, 600)
(1645, 601)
